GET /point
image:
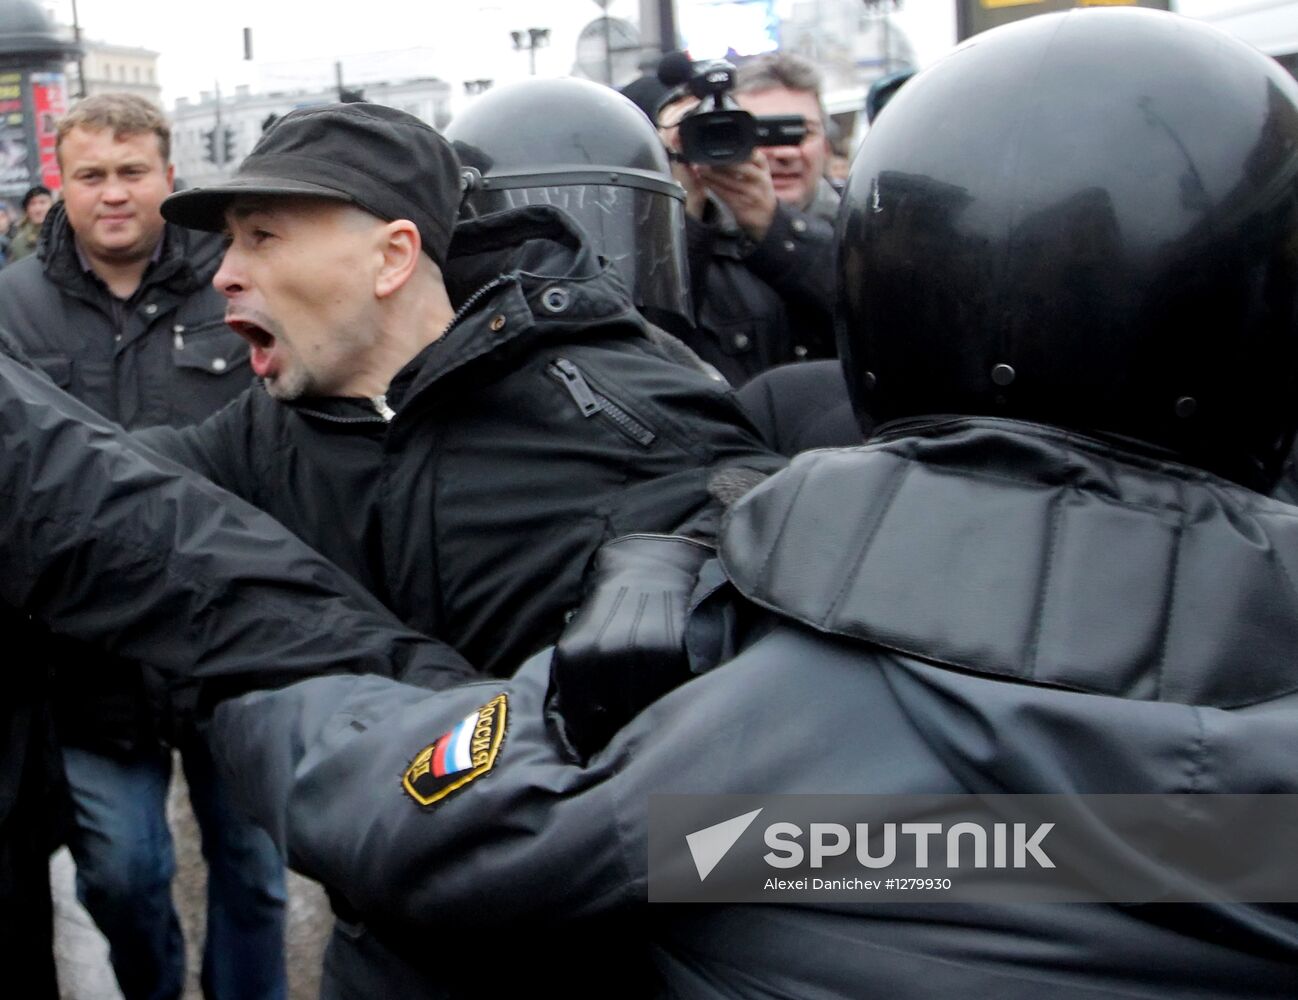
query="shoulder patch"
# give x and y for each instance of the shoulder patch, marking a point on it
(463, 753)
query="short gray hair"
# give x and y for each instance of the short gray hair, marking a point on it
(781, 69)
(778, 69)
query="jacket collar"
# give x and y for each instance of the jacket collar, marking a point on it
(518, 279)
(186, 263)
(1013, 550)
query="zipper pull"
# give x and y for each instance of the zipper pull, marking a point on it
(382, 409)
(578, 388)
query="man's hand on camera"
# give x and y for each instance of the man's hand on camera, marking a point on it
(747, 190)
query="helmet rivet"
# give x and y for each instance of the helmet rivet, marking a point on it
(869, 380)
(1003, 375)
(1186, 405)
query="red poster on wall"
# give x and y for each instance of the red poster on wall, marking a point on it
(50, 103)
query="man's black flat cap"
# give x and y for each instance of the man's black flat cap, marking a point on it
(380, 159)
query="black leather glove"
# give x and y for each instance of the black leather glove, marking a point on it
(624, 648)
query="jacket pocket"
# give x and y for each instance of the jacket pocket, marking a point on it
(212, 348)
(211, 368)
(592, 403)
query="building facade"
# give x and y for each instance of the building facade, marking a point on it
(117, 69)
(238, 120)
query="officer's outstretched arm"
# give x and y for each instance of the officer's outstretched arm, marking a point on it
(109, 543)
(454, 809)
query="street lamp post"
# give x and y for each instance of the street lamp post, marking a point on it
(530, 40)
(81, 55)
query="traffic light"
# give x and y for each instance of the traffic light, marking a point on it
(209, 143)
(227, 147)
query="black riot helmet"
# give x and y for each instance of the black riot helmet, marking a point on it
(1087, 219)
(589, 151)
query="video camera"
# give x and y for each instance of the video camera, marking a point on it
(718, 131)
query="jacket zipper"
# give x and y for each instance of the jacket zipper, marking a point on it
(590, 402)
(472, 300)
(178, 336)
(380, 403)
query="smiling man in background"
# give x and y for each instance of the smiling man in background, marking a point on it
(117, 307)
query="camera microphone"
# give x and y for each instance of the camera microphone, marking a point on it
(675, 68)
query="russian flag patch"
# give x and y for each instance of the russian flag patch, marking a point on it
(464, 752)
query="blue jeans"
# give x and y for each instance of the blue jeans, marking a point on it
(125, 863)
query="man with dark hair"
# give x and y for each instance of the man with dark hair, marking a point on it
(761, 232)
(1050, 574)
(117, 307)
(36, 204)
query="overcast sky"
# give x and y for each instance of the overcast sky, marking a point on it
(201, 42)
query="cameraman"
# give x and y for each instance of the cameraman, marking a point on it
(760, 232)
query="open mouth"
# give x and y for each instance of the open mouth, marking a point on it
(260, 339)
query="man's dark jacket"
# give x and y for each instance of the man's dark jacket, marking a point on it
(541, 424)
(107, 544)
(163, 357)
(767, 303)
(968, 606)
(799, 407)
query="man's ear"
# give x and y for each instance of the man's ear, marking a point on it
(401, 248)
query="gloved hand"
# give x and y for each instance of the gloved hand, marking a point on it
(624, 648)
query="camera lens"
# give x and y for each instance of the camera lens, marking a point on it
(718, 137)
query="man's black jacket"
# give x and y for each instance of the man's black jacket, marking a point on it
(799, 407)
(758, 305)
(165, 356)
(541, 424)
(105, 543)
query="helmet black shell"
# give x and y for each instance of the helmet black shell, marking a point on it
(591, 152)
(1088, 219)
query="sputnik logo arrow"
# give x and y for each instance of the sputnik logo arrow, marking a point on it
(709, 845)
